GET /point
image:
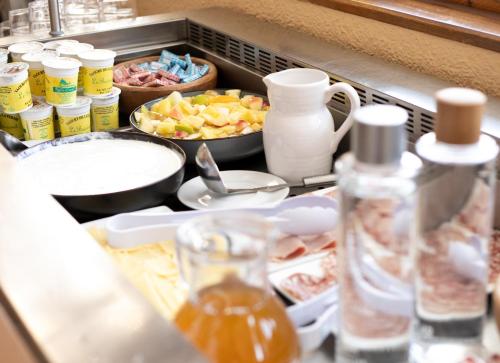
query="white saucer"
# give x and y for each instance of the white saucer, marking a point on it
(195, 194)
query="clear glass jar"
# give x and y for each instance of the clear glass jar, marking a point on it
(375, 266)
(231, 314)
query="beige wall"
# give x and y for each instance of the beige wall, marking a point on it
(460, 63)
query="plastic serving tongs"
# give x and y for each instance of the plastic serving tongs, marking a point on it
(299, 216)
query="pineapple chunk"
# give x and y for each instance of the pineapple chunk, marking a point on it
(224, 99)
(156, 106)
(209, 133)
(166, 128)
(256, 127)
(233, 92)
(195, 121)
(229, 129)
(163, 107)
(212, 93)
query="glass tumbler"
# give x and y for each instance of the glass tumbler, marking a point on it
(231, 314)
(19, 21)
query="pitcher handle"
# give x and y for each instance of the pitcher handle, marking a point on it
(355, 102)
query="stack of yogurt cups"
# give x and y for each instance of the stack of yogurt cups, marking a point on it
(64, 75)
(95, 81)
(15, 95)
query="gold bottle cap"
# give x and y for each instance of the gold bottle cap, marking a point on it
(459, 115)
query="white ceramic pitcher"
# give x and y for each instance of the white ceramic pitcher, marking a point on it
(299, 134)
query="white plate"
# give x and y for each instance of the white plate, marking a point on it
(195, 194)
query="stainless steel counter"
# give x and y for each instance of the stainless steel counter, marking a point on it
(68, 316)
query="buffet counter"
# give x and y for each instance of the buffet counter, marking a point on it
(66, 299)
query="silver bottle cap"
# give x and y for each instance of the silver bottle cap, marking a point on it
(379, 135)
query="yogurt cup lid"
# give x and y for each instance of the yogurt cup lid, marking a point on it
(11, 69)
(74, 49)
(97, 54)
(54, 44)
(39, 56)
(61, 63)
(38, 106)
(80, 102)
(25, 47)
(115, 91)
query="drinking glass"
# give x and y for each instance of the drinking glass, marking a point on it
(19, 21)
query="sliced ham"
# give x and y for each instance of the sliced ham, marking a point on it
(494, 256)
(287, 248)
(134, 68)
(304, 286)
(325, 241)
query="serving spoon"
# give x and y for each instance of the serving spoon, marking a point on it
(11, 143)
(210, 175)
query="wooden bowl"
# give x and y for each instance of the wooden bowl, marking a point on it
(134, 96)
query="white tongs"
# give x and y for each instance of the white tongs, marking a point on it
(299, 216)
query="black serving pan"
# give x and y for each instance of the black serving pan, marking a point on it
(222, 149)
(84, 207)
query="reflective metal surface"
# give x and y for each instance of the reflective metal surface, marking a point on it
(73, 301)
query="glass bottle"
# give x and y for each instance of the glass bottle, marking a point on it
(456, 216)
(377, 186)
(231, 314)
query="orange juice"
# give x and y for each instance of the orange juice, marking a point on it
(235, 322)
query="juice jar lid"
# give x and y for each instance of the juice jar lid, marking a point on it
(54, 44)
(12, 69)
(72, 50)
(25, 47)
(61, 63)
(97, 55)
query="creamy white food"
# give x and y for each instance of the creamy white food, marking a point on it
(101, 166)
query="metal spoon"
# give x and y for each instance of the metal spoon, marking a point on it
(210, 175)
(11, 143)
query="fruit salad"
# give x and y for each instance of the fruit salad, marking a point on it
(210, 115)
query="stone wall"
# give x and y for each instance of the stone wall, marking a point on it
(460, 63)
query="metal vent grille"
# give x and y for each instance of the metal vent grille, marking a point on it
(262, 60)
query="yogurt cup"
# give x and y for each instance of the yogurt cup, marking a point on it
(54, 44)
(61, 80)
(104, 111)
(97, 70)
(38, 122)
(15, 95)
(75, 119)
(36, 74)
(4, 56)
(11, 123)
(17, 50)
(72, 51)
